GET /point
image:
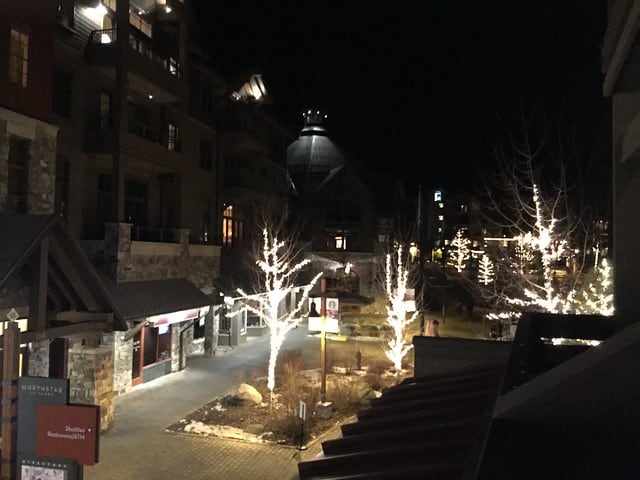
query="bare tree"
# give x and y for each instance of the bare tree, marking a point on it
(399, 315)
(534, 215)
(279, 262)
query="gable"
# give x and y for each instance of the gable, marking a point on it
(43, 268)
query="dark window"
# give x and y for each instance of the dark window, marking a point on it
(66, 13)
(104, 198)
(135, 202)
(206, 154)
(18, 57)
(106, 121)
(62, 186)
(205, 227)
(18, 177)
(198, 328)
(157, 344)
(206, 97)
(62, 93)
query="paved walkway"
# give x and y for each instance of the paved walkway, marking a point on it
(137, 447)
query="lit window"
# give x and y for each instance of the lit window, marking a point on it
(437, 196)
(232, 228)
(341, 243)
(441, 218)
(441, 205)
(172, 137)
(439, 229)
(18, 57)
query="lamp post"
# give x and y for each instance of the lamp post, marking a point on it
(323, 340)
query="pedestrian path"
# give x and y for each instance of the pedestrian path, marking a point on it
(138, 447)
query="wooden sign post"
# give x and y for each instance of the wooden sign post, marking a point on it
(8, 430)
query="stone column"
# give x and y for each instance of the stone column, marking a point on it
(117, 249)
(122, 351)
(211, 332)
(91, 381)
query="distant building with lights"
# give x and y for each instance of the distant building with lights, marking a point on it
(338, 208)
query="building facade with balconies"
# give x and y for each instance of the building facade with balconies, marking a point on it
(112, 119)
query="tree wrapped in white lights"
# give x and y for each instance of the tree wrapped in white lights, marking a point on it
(459, 251)
(396, 286)
(485, 270)
(276, 283)
(531, 208)
(597, 297)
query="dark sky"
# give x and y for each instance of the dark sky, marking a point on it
(417, 86)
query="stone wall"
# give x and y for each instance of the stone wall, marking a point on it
(122, 351)
(91, 381)
(42, 160)
(39, 359)
(175, 348)
(125, 260)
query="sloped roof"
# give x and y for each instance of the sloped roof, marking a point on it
(146, 298)
(70, 278)
(430, 427)
(20, 236)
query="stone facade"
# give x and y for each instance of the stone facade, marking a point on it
(122, 351)
(125, 260)
(91, 380)
(42, 160)
(39, 359)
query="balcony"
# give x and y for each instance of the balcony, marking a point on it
(148, 72)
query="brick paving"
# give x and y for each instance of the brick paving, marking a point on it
(138, 447)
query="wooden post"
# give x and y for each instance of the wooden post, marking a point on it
(323, 339)
(10, 358)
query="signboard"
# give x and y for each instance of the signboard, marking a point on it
(34, 468)
(68, 431)
(332, 324)
(33, 391)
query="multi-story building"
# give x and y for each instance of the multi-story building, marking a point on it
(113, 119)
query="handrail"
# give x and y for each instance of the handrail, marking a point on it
(139, 45)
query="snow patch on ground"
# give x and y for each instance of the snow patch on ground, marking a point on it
(225, 431)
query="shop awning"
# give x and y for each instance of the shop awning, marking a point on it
(148, 298)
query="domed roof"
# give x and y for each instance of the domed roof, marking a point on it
(314, 150)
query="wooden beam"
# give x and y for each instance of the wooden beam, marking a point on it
(38, 288)
(9, 417)
(75, 317)
(81, 284)
(56, 278)
(63, 331)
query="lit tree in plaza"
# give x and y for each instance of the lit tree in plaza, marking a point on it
(396, 276)
(597, 297)
(459, 251)
(485, 270)
(530, 201)
(277, 276)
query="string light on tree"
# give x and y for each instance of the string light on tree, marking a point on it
(277, 282)
(396, 286)
(459, 252)
(485, 270)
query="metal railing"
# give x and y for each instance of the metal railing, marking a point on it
(148, 234)
(140, 45)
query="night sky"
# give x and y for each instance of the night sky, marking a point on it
(421, 87)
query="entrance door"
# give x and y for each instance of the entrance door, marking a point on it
(136, 365)
(58, 358)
